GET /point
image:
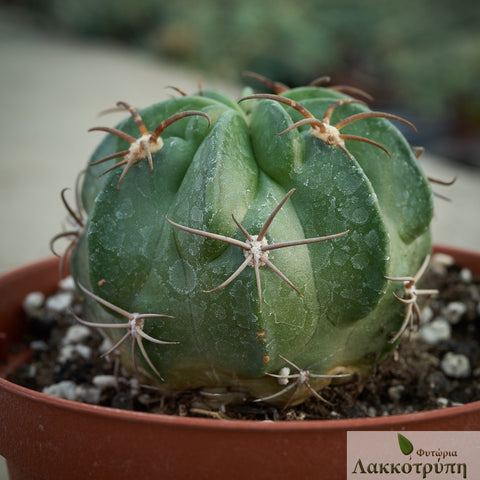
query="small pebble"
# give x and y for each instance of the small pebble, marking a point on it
(105, 381)
(65, 389)
(145, 399)
(454, 311)
(106, 345)
(455, 365)
(60, 302)
(426, 315)
(442, 402)
(39, 346)
(134, 386)
(30, 371)
(438, 383)
(72, 352)
(440, 262)
(371, 412)
(466, 275)
(76, 334)
(122, 400)
(70, 391)
(33, 302)
(88, 394)
(445, 402)
(67, 283)
(395, 393)
(436, 331)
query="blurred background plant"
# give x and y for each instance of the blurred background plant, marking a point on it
(422, 55)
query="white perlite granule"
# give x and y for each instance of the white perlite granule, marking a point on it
(70, 391)
(455, 365)
(76, 334)
(454, 311)
(436, 331)
(33, 302)
(60, 302)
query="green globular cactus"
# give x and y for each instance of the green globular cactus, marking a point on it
(263, 242)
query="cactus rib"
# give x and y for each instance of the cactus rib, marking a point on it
(256, 248)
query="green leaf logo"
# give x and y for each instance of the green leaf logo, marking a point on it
(405, 445)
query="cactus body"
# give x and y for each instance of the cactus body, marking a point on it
(346, 314)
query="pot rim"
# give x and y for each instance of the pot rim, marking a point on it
(370, 423)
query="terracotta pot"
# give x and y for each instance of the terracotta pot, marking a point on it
(45, 437)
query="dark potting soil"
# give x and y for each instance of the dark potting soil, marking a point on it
(438, 366)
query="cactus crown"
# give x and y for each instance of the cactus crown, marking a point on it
(308, 182)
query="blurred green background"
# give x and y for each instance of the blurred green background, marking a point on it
(422, 56)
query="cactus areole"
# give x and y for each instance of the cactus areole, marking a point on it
(258, 241)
